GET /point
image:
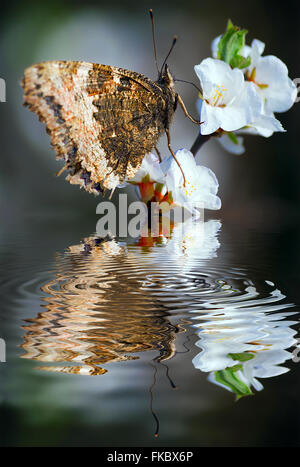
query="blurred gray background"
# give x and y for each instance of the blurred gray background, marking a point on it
(262, 186)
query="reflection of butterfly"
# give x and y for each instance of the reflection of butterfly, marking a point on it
(102, 119)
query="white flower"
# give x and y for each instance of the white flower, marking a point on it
(270, 76)
(265, 125)
(254, 52)
(215, 45)
(201, 184)
(276, 89)
(232, 143)
(164, 182)
(228, 102)
(149, 170)
(149, 179)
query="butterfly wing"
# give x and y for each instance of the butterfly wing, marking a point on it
(102, 120)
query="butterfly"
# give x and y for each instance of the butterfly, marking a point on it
(102, 120)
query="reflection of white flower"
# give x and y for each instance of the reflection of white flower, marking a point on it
(201, 184)
(232, 334)
(194, 240)
(228, 102)
(270, 75)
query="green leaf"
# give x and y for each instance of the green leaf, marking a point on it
(241, 357)
(231, 43)
(240, 62)
(159, 187)
(233, 138)
(146, 179)
(229, 25)
(229, 378)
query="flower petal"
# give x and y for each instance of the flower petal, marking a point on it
(207, 179)
(254, 52)
(150, 167)
(211, 119)
(281, 92)
(267, 125)
(213, 73)
(258, 46)
(215, 45)
(246, 108)
(234, 148)
(239, 103)
(201, 183)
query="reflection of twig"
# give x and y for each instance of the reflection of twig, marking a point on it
(167, 375)
(151, 401)
(185, 346)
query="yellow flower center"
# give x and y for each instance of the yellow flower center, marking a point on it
(189, 188)
(217, 100)
(252, 77)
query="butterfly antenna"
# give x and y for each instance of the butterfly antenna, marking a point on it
(169, 53)
(153, 39)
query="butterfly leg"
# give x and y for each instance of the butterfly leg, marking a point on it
(111, 193)
(61, 171)
(175, 158)
(181, 103)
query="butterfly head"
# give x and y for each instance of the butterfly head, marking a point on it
(165, 78)
(166, 83)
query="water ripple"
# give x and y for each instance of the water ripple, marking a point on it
(109, 301)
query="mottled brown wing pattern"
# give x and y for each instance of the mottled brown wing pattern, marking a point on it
(102, 120)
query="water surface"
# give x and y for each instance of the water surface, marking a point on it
(187, 341)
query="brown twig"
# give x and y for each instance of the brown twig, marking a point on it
(198, 143)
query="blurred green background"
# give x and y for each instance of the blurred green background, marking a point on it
(263, 183)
